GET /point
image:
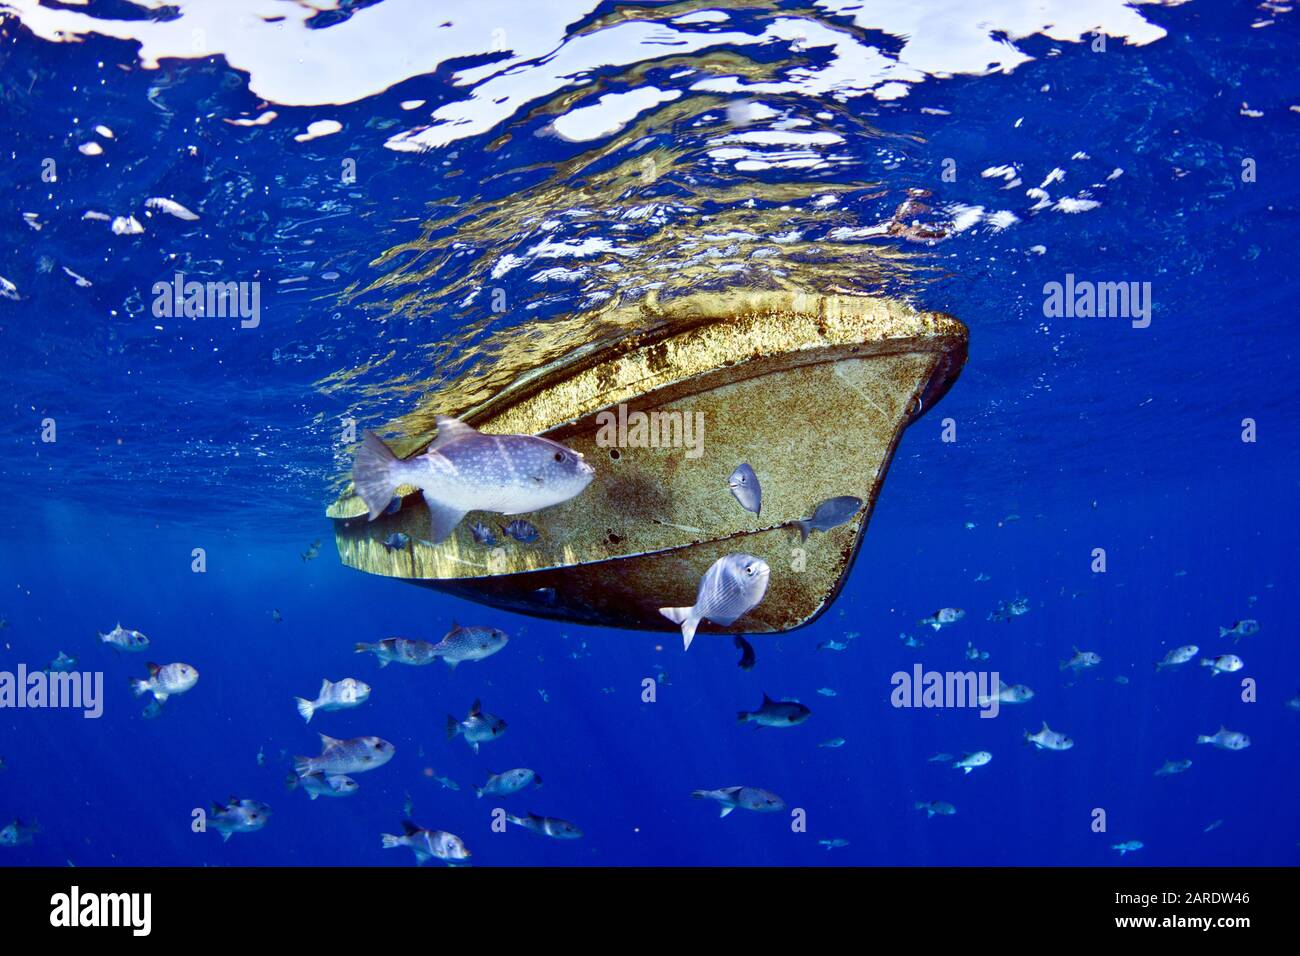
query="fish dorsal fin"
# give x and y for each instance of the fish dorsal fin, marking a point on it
(1075, 648)
(476, 710)
(767, 700)
(327, 741)
(153, 668)
(1046, 729)
(1002, 685)
(324, 685)
(217, 808)
(451, 430)
(410, 827)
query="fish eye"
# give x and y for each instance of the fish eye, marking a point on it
(559, 456)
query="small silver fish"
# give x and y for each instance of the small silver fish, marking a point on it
(1172, 767)
(1223, 664)
(744, 486)
(312, 551)
(1008, 694)
(397, 541)
(553, 827)
(833, 743)
(522, 531)
(733, 585)
(344, 695)
(469, 644)
(509, 782)
(165, 680)
(428, 844)
(62, 663)
(744, 798)
(400, 650)
(1127, 846)
(476, 728)
(123, 640)
(835, 843)
(238, 816)
(346, 756)
(934, 808)
(1082, 660)
(944, 617)
(1225, 739)
(446, 782)
(1240, 629)
(1179, 655)
(464, 470)
(19, 833)
(831, 513)
(775, 713)
(321, 784)
(969, 762)
(1048, 739)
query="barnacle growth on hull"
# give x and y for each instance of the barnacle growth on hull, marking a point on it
(814, 391)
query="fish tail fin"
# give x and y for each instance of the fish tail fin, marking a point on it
(388, 841)
(742, 716)
(453, 726)
(1224, 632)
(1204, 739)
(301, 765)
(684, 617)
(291, 782)
(375, 474)
(700, 794)
(478, 792)
(305, 708)
(139, 686)
(362, 647)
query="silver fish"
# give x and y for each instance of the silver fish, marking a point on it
(428, 844)
(62, 663)
(969, 762)
(1082, 660)
(1223, 664)
(943, 617)
(744, 798)
(347, 693)
(19, 833)
(476, 728)
(831, 513)
(552, 827)
(733, 585)
(744, 486)
(482, 534)
(465, 470)
(401, 650)
(166, 680)
(525, 532)
(320, 784)
(775, 713)
(1172, 767)
(123, 640)
(346, 756)
(939, 808)
(469, 644)
(397, 541)
(1008, 694)
(835, 843)
(1049, 739)
(1128, 846)
(833, 743)
(512, 781)
(1179, 655)
(1225, 739)
(1240, 629)
(238, 816)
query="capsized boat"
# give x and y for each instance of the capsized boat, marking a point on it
(812, 391)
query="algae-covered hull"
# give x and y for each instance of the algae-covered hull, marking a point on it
(813, 391)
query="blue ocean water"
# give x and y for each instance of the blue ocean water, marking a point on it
(1072, 434)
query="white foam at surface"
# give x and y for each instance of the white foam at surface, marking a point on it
(387, 43)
